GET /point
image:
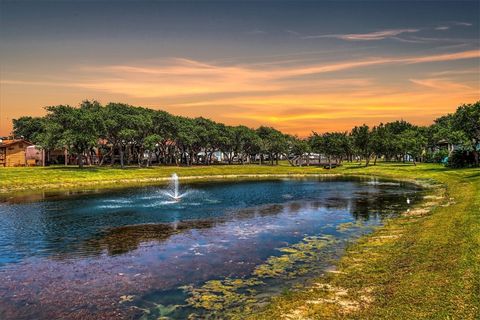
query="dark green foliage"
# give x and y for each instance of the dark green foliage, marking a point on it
(334, 145)
(461, 129)
(363, 142)
(436, 156)
(126, 134)
(28, 127)
(461, 159)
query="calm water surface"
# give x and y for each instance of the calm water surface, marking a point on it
(129, 253)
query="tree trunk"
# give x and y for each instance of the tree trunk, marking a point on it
(292, 161)
(475, 156)
(121, 157)
(103, 157)
(80, 159)
(140, 157)
(129, 155)
(112, 160)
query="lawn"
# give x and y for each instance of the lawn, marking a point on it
(423, 265)
(60, 177)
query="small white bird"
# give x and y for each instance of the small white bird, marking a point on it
(408, 201)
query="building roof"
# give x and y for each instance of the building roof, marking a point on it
(9, 142)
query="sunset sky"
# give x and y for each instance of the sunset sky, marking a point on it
(297, 66)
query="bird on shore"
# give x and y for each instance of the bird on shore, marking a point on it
(408, 201)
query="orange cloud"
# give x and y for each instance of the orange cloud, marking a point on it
(440, 84)
(294, 98)
(377, 35)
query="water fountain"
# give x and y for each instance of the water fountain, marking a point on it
(173, 191)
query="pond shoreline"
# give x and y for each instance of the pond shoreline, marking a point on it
(99, 187)
(125, 183)
(321, 204)
(12, 190)
(419, 265)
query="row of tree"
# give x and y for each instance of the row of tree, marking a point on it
(126, 134)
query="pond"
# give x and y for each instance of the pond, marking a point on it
(224, 246)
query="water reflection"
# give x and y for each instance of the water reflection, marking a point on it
(95, 248)
(122, 239)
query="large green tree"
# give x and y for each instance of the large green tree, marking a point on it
(413, 143)
(363, 143)
(274, 143)
(28, 128)
(76, 129)
(467, 120)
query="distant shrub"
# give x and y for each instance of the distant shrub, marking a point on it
(437, 156)
(461, 159)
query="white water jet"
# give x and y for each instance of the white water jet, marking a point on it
(173, 191)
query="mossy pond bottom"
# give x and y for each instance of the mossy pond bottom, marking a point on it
(224, 248)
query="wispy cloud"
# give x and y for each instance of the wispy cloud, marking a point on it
(437, 39)
(440, 84)
(256, 32)
(470, 54)
(464, 24)
(294, 33)
(186, 77)
(377, 35)
(455, 72)
(402, 34)
(275, 94)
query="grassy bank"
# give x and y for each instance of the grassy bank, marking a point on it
(60, 177)
(423, 265)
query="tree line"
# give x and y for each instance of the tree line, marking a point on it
(124, 134)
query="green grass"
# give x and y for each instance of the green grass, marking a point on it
(60, 177)
(423, 265)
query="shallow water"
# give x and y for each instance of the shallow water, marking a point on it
(129, 253)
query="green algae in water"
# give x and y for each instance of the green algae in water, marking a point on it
(349, 225)
(219, 295)
(284, 266)
(159, 311)
(228, 295)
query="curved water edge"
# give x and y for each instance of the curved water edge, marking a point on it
(99, 187)
(225, 246)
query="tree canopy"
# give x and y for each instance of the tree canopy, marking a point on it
(125, 134)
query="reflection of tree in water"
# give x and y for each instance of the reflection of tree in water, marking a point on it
(363, 205)
(120, 240)
(123, 239)
(336, 203)
(367, 205)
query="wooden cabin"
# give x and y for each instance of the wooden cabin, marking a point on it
(12, 152)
